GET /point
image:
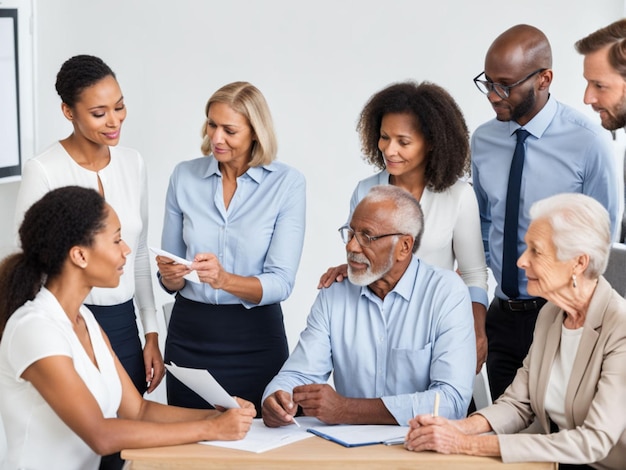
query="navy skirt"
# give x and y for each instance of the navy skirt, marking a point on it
(120, 325)
(242, 348)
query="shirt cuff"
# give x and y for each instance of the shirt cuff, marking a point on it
(479, 295)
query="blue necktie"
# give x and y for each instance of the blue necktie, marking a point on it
(510, 272)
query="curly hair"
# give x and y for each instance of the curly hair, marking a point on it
(63, 218)
(439, 120)
(78, 73)
(247, 100)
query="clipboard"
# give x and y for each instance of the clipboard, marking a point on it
(361, 434)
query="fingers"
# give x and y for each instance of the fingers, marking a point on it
(244, 403)
(278, 409)
(334, 274)
(326, 279)
(425, 420)
(240, 420)
(162, 260)
(153, 362)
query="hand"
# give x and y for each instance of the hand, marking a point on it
(209, 270)
(278, 409)
(231, 425)
(481, 351)
(336, 274)
(245, 403)
(321, 401)
(172, 272)
(153, 361)
(434, 433)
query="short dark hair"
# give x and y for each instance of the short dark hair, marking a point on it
(63, 218)
(78, 73)
(613, 35)
(439, 119)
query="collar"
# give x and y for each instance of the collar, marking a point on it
(538, 124)
(405, 285)
(255, 173)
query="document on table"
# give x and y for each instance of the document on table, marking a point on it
(204, 384)
(192, 276)
(361, 434)
(260, 438)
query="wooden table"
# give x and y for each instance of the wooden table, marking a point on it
(312, 453)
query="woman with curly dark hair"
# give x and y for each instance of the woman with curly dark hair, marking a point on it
(416, 135)
(66, 398)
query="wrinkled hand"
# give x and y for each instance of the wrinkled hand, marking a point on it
(278, 409)
(172, 272)
(153, 362)
(320, 401)
(336, 274)
(209, 269)
(481, 351)
(232, 424)
(434, 433)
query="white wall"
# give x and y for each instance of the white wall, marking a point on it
(316, 62)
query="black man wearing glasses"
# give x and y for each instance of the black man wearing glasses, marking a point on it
(534, 148)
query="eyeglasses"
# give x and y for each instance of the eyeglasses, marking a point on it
(347, 234)
(503, 91)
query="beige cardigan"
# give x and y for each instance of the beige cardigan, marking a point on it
(595, 400)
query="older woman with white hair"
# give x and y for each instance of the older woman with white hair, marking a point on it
(573, 380)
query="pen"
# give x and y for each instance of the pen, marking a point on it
(295, 422)
(436, 406)
(393, 442)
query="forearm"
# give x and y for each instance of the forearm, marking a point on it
(114, 434)
(475, 424)
(159, 413)
(247, 288)
(365, 411)
(480, 315)
(485, 446)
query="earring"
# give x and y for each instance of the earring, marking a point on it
(574, 285)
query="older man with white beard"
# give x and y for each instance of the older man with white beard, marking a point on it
(396, 334)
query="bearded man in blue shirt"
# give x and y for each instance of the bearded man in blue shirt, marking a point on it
(394, 334)
(563, 152)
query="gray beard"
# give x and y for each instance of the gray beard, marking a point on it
(368, 277)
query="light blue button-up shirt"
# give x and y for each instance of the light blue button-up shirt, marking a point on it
(416, 341)
(260, 234)
(565, 153)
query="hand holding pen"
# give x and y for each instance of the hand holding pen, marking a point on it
(278, 409)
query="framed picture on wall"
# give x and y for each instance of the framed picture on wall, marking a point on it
(16, 120)
(10, 154)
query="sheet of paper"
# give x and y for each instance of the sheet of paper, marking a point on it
(361, 434)
(192, 276)
(260, 438)
(203, 383)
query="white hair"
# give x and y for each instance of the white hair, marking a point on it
(408, 217)
(580, 225)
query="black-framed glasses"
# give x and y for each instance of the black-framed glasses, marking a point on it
(363, 239)
(486, 86)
